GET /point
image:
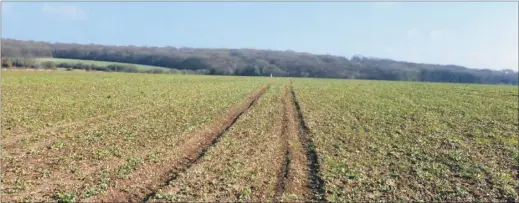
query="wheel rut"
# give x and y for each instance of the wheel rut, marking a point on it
(316, 183)
(299, 175)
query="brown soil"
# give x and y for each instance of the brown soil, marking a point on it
(299, 177)
(293, 174)
(314, 182)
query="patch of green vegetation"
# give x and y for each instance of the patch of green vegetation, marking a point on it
(96, 129)
(413, 141)
(376, 140)
(243, 165)
(64, 197)
(244, 194)
(129, 166)
(91, 62)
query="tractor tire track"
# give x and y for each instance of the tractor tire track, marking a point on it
(315, 181)
(299, 175)
(146, 181)
(285, 149)
(292, 176)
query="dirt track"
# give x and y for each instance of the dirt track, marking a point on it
(299, 175)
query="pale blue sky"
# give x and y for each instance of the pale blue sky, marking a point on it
(472, 34)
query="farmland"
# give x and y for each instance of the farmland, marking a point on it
(103, 137)
(413, 141)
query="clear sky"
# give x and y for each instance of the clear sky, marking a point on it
(472, 34)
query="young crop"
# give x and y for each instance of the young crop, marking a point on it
(413, 141)
(88, 155)
(91, 137)
(243, 165)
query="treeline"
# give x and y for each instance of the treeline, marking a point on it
(9, 62)
(128, 68)
(251, 62)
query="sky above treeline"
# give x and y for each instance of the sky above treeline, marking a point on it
(471, 34)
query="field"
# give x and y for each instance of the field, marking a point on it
(104, 137)
(91, 62)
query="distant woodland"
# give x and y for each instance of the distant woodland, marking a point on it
(252, 62)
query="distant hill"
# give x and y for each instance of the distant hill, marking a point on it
(252, 62)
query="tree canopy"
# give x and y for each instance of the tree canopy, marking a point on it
(252, 62)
